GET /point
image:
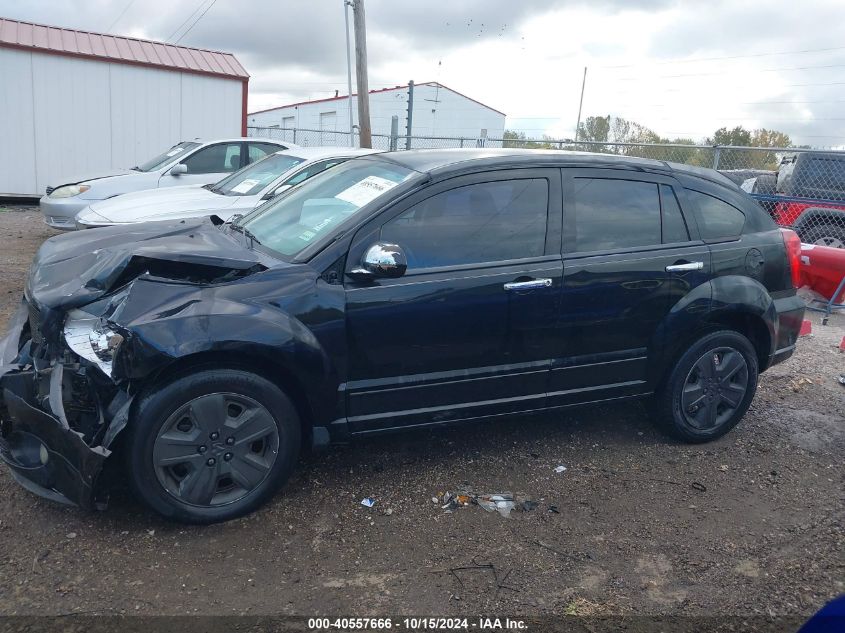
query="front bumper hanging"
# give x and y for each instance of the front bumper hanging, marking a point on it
(46, 455)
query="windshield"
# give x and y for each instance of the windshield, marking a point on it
(253, 178)
(291, 223)
(170, 155)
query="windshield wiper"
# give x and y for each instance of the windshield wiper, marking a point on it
(247, 234)
(213, 189)
(135, 168)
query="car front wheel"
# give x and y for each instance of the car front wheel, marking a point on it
(212, 445)
(709, 388)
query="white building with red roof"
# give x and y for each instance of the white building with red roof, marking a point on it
(75, 101)
(438, 111)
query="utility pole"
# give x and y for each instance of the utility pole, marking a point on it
(346, 5)
(409, 122)
(359, 20)
(581, 103)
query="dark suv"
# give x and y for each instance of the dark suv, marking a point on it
(811, 197)
(394, 291)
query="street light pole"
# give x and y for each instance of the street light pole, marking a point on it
(346, 5)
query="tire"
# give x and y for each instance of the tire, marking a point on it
(825, 235)
(211, 446)
(700, 400)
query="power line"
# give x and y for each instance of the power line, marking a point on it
(195, 21)
(715, 59)
(122, 13)
(188, 19)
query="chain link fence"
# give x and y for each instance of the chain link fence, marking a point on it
(801, 188)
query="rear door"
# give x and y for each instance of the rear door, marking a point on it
(470, 329)
(629, 259)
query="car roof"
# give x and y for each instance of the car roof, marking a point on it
(313, 153)
(436, 161)
(236, 139)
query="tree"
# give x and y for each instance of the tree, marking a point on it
(594, 128)
(723, 136)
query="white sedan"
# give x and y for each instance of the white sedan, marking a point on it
(186, 163)
(240, 192)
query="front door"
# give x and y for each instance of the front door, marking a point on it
(470, 329)
(629, 259)
(207, 165)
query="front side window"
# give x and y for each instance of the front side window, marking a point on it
(716, 218)
(215, 159)
(290, 223)
(484, 222)
(171, 155)
(253, 178)
(615, 214)
(312, 170)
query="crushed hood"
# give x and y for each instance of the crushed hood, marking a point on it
(76, 268)
(146, 205)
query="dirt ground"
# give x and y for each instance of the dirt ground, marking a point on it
(636, 524)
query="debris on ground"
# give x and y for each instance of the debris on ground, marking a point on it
(501, 502)
(842, 379)
(560, 469)
(368, 501)
(798, 383)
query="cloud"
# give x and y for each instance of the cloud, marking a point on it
(526, 57)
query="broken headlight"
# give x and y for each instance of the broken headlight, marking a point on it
(92, 338)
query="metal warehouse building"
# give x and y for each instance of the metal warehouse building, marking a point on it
(75, 102)
(437, 111)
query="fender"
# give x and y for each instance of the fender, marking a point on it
(203, 321)
(737, 295)
(812, 215)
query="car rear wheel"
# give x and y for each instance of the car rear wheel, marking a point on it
(212, 445)
(709, 388)
(825, 235)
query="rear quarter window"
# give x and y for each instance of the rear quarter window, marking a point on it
(717, 219)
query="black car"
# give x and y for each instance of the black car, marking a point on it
(394, 291)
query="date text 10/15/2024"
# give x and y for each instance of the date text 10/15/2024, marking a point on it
(417, 624)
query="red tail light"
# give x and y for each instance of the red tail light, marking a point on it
(793, 254)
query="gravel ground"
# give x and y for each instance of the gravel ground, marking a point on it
(636, 524)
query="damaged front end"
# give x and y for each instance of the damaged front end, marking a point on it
(60, 409)
(66, 361)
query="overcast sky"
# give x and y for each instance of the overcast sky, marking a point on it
(682, 68)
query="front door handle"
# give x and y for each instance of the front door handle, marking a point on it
(683, 268)
(528, 285)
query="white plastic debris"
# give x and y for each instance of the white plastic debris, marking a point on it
(560, 469)
(368, 501)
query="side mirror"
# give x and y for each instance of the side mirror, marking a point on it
(381, 260)
(276, 192)
(179, 169)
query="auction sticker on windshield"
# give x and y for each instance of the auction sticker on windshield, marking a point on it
(366, 190)
(246, 185)
(175, 151)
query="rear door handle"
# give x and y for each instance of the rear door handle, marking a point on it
(528, 285)
(682, 268)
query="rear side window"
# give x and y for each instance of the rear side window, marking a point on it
(674, 227)
(613, 214)
(716, 218)
(484, 222)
